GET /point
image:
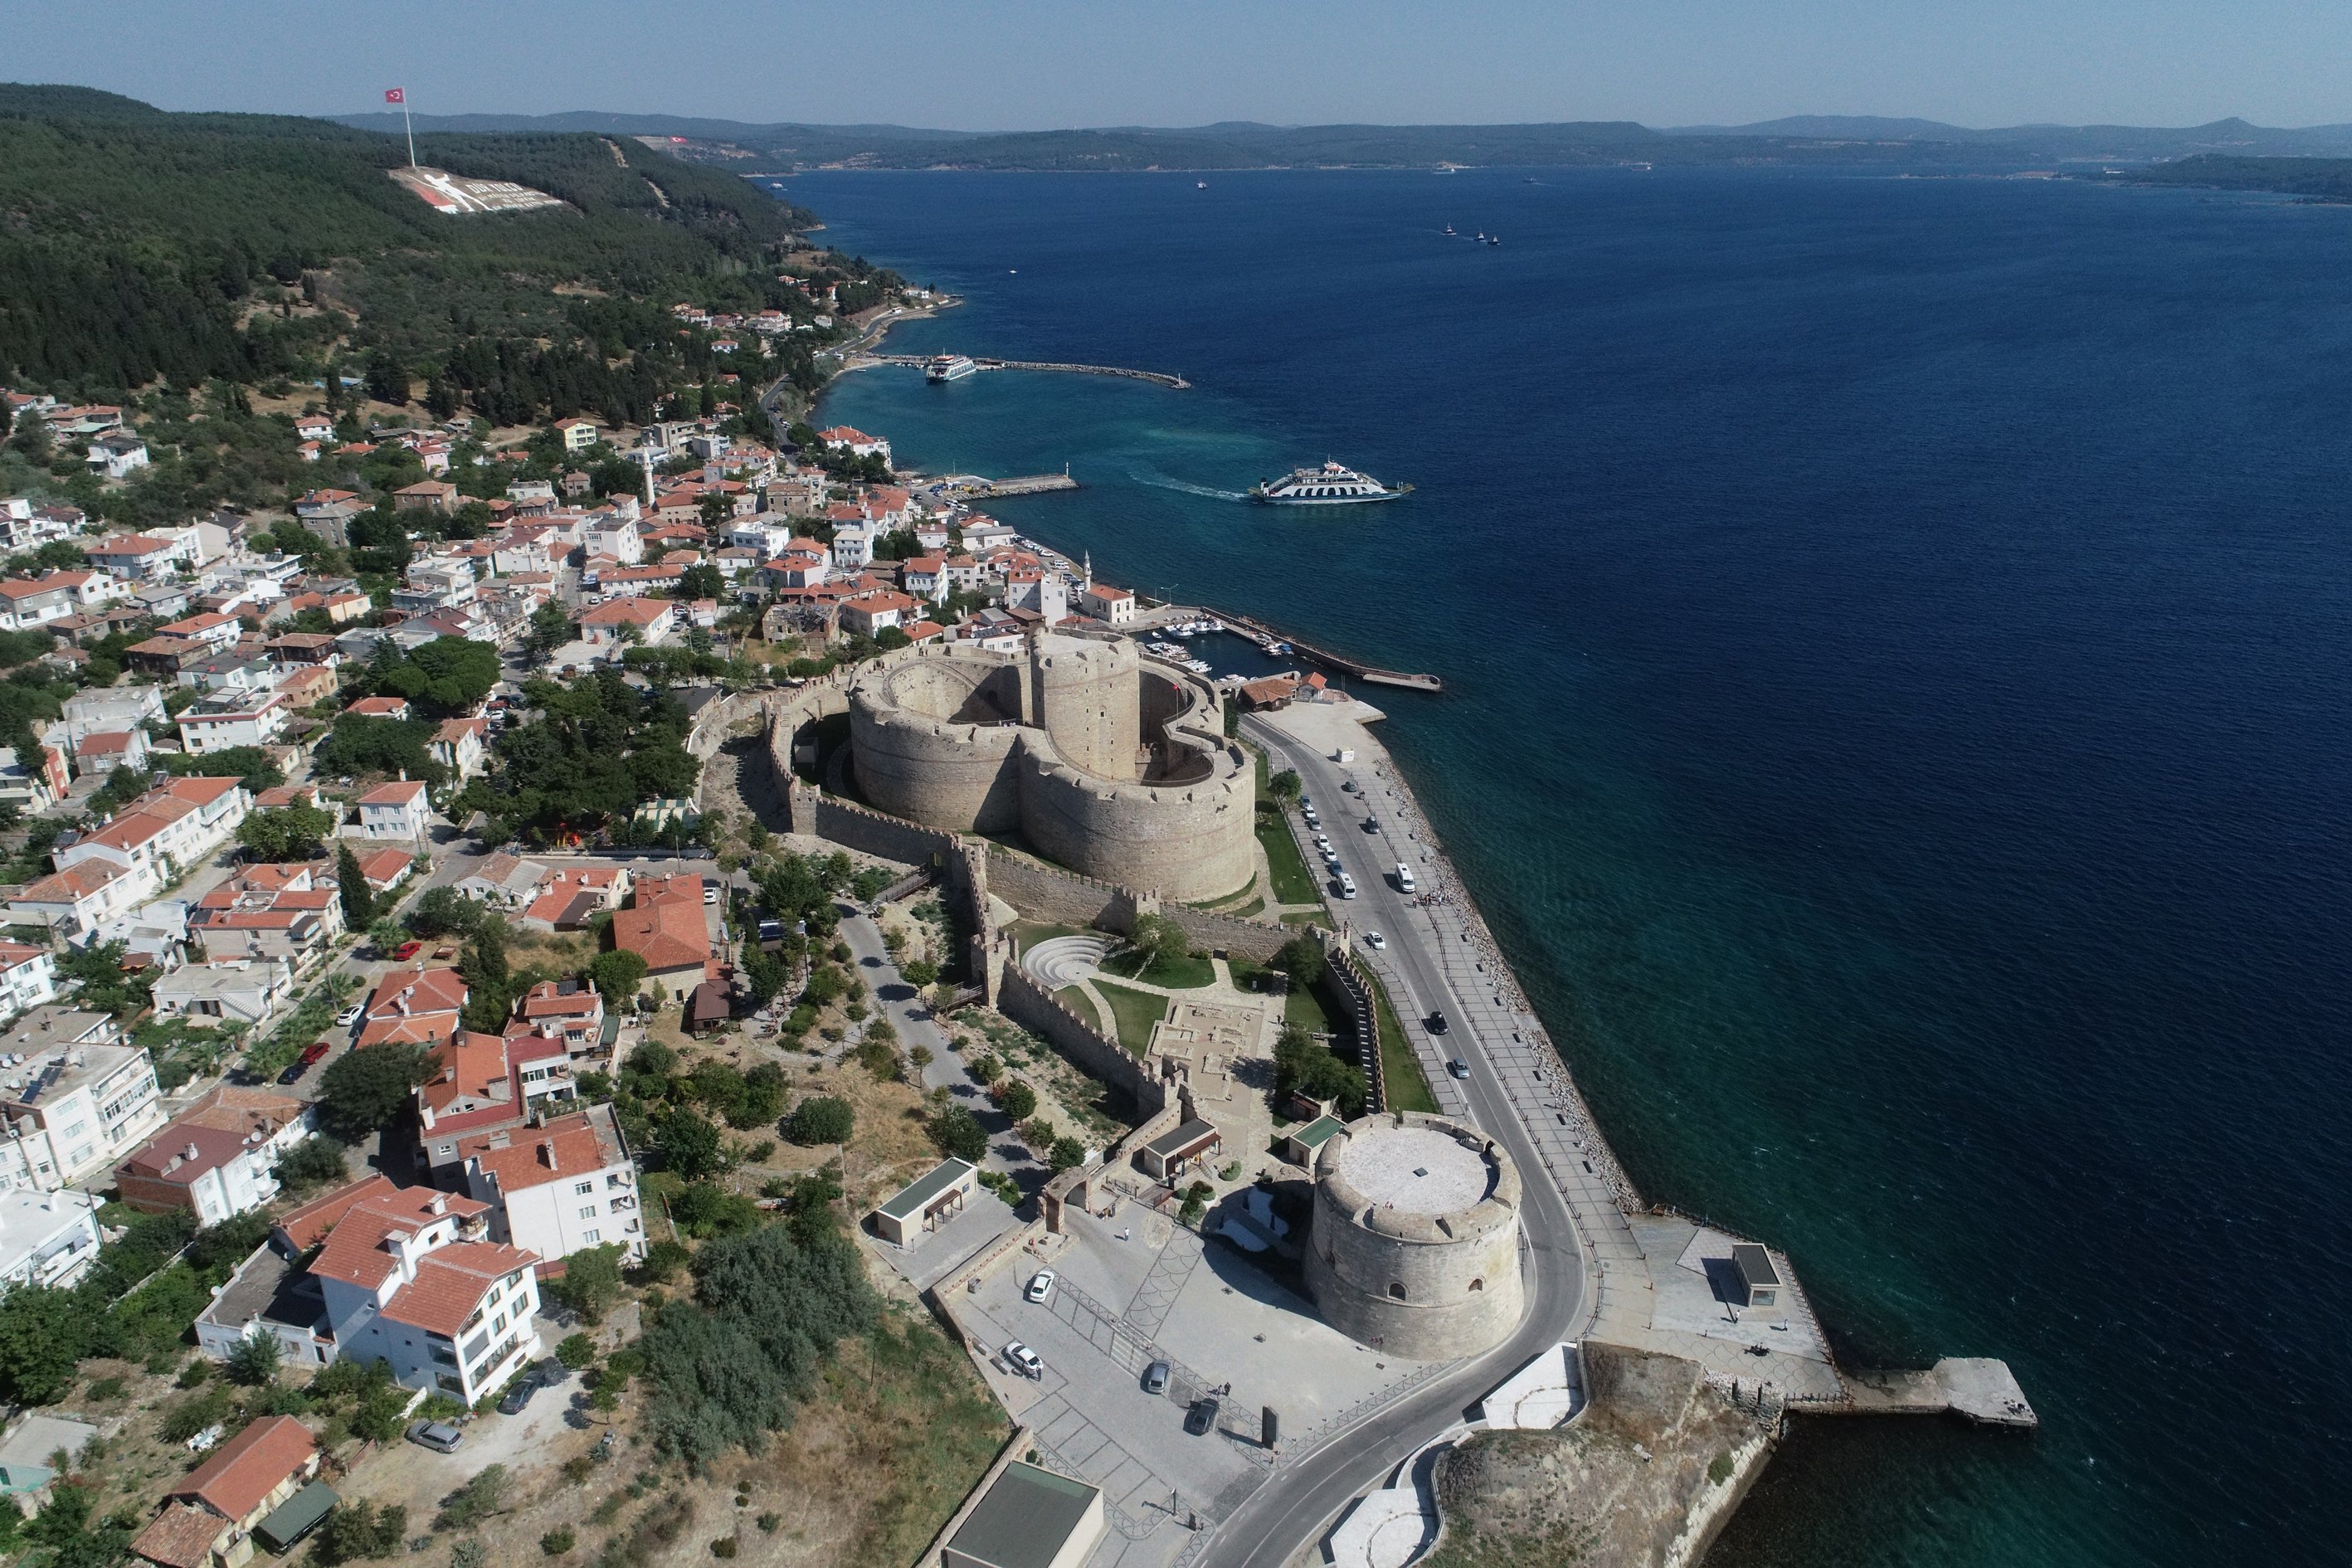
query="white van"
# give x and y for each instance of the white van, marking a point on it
(1347, 885)
(1405, 876)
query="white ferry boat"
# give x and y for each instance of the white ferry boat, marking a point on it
(948, 367)
(1330, 485)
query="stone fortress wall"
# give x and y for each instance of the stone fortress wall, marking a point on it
(1111, 765)
(1415, 1246)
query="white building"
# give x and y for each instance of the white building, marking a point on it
(459, 744)
(98, 709)
(161, 836)
(226, 991)
(411, 1277)
(233, 718)
(559, 1188)
(28, 977)
(75, 902)
(93, 1098)
(616, 536)
(47, 1238)
(1113, 607)
(399, 810)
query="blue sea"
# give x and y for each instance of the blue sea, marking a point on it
(1898, 647)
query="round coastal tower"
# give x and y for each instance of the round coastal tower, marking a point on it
(1415, 1247)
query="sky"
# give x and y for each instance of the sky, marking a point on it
(988, 65)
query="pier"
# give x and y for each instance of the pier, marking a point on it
(978, 486)
(917, 361)
(1979, 1388)
(1261, 634)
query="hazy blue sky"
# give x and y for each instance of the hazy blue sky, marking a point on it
(1009, 64)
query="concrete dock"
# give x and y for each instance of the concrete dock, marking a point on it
(1979, 1387)
(1258, 631)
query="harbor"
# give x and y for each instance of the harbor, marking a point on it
(1272, 640)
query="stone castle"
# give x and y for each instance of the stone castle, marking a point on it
(1104, 761)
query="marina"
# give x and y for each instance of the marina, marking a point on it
(925, 364)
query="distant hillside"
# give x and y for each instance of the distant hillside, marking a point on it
(135, 243)
(1824, 138)
(2321, 179)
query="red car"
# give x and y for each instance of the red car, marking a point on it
(315, 1051)
(406, 950)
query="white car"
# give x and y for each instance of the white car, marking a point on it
(1022, 1360)
(1041, 1285)
(1375, 941)
(348, 1016)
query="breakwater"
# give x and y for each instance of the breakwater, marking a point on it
(1064, 367)
(1263, 634)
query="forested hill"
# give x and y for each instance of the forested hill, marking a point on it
(2321, 179)
(136, 244)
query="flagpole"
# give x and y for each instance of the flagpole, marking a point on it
(408, 126)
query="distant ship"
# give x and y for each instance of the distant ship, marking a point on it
(948, 367)
(1199, 185)
(1449, 229)
(1330, 485)
(1494, 239)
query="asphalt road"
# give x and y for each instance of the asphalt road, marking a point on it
(1297, 1502)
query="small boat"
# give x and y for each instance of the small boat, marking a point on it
(1494, 239)
(1482, 234)
(1199, 185)
(1449, 231)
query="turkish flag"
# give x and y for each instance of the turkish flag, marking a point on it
(395, 95)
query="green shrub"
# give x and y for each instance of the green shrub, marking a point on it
(821, 1118)
(557, 1542)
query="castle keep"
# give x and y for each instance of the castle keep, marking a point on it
(1111, 764)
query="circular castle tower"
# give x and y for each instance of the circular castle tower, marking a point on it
(1415, 1243)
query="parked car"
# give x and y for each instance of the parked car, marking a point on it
(438, 1436)
(406, 950)
(316, 1052)
(519, 1395)
(294, 1071)
(446, 949)
(1436, 1022)
(350, 1015)
(1155, 1378)
(1458, 1068)
(1022, 1360)
(1375, 941)
(1200, 1417)
(1041, 1285)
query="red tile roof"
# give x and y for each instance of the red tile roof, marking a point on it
(665, 927)
(451, 1283)
(182, 1536)
(248, 1467)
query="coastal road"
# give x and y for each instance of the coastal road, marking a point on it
(1297, 1502)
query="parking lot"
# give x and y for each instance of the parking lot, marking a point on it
(1226, 1327)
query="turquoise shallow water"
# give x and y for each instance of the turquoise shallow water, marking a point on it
(1897, 638)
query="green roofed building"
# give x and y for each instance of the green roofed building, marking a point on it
(1029, 1518)
(296, 1517)
(1300, 1143)
(926, 1204)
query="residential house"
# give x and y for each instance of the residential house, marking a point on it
(503, 880)
(141, 557)
(579, 434)
(666, 926)
(226, 991)
(47, 1238)
(111, 708)
(116, 457)
(572, 896)
(397, 810)
(217, 632)
(379, 708)
(93, 1098)
(981, 534)
(483, 1083)
(233, 719)
(216, 1160)
(386, 870)
(610, 624)
(615, 535)
(35, 786)
(558, 1188)
(27, 603)
(101, 751)
(568, 1010)
(460, 745)
(856, 442)
(292, 913)
(868, 613)
(75, 902)
(427, 495)
(414, 1007)
(925, 577)
(208, 1520)
(164, 833)
(28, 977)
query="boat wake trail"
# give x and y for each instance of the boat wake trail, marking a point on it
(1161, 481)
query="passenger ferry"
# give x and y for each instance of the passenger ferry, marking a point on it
(948, 367)
(1330, 485)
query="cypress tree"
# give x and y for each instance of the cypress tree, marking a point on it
(359, 900)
